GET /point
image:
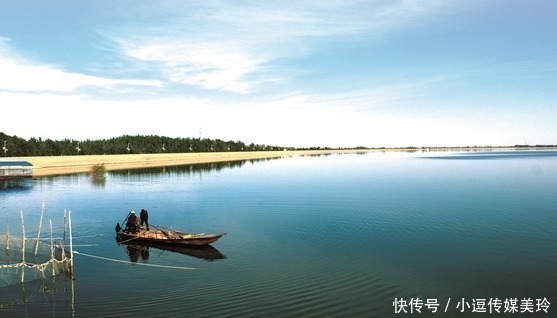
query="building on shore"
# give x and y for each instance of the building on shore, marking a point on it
(11, 170)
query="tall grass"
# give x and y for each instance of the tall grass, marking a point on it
(98, 169)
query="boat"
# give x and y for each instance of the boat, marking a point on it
(205, 252)
(168, 237)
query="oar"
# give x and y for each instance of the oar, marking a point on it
(163, 232)
(124, 222)
(126, 241)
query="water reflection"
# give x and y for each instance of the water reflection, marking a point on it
(16, 185)
(492, 155)
(98, 180)
(179, 170)
(36, 296)
(136, 250)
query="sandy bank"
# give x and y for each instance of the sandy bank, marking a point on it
(44, 166)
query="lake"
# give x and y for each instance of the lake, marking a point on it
(398, 234)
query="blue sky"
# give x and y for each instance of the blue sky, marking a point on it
(306, 73)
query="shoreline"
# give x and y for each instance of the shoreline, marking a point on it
(59, 165)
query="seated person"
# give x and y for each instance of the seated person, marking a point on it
(133, 222)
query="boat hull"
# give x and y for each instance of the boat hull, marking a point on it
(193, 239)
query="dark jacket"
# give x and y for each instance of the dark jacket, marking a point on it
(144, 215)
(133, 219)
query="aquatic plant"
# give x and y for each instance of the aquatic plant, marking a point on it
(98, 169)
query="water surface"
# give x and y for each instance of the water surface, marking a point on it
(336, 235)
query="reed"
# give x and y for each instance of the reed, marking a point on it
(98, 169)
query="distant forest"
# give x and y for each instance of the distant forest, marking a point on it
(19, 147)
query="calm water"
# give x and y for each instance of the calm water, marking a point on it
(338, 235)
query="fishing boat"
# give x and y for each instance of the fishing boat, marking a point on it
(204, 252)
(168, 237)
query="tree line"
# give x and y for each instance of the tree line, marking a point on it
(13, 146)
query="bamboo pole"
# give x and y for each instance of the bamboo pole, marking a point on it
(52, 250)
(71, 242)
(39, 234)
(64, 238)
(22, 248)
(7, 233)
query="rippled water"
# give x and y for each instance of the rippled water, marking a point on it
(337, 235)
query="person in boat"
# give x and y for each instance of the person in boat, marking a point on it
(144, 215)
(133, 222)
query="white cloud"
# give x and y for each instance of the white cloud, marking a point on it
(301, 120)
(21, 75)
(237, 47)
(294, 120)
(58, 116)
(207, 65)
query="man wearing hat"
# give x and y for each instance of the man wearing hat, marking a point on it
(133, 222)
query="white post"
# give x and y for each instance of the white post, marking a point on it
(64, 238)
(22, 248)
(7, 233)
(39, 234)
(71, 242)
(52, 251)
(51, 242)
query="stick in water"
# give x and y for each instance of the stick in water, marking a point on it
(39, 234)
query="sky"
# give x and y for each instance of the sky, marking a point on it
(305, 73)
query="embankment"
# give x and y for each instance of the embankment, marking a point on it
(44, 166)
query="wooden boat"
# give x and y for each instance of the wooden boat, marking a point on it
(167, 237)
(205, 252)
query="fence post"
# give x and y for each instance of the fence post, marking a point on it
(39, 234)
(22, 248)
(52, 259)
(7, 233)
(71, 242)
